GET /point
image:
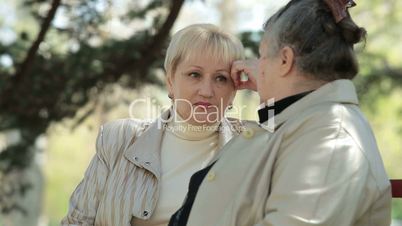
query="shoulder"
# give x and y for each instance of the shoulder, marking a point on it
(116, 135)
(335, 126)
(335, 131)
(339, 118)
(323, 127)
(329, 116)
(124, 127)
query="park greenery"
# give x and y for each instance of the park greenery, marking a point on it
(59, 77)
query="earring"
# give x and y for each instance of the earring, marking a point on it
(170, 96)
(230, 106)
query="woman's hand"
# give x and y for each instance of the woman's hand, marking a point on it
(250, 69)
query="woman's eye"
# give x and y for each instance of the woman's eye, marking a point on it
(221, 78)
(194, 74)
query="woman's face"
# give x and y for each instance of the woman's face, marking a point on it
(268, 70)
(201, 88)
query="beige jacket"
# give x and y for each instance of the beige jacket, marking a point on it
(123, 177)
(320, 166)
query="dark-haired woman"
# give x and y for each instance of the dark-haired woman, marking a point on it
(314, 159)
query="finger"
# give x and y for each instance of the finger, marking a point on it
(236, 69)
(244, 85)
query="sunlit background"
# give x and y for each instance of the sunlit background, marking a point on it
(63, 152)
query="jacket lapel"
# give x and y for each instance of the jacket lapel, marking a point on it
(145, 148)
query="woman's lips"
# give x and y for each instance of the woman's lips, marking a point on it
(203, 104)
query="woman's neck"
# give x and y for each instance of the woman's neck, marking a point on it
(184, 130)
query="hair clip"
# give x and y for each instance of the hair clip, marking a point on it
(339, 8)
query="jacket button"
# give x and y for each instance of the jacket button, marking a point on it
(211, 176)
(248, 133)
(145, 213)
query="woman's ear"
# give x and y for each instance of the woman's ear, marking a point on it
(287, 56)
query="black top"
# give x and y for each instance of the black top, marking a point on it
(279, 106)
(180, 217)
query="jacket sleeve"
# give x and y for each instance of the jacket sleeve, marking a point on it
(85, 199)
(321, 177)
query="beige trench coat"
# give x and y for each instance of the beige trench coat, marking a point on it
(320, 166)
(122, 180)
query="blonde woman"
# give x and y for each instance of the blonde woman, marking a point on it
(140, 172)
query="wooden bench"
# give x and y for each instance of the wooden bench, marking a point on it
(396, 186)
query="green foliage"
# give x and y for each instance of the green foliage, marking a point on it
(60, 78)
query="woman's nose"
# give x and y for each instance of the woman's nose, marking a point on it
(206, 88)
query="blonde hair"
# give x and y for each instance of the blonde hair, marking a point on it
(202, 39)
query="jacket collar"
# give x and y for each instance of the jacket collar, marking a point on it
(145, 149)
(340, 91)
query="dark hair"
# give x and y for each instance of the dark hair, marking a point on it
(323, 48)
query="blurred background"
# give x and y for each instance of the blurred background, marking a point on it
(66, 67)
